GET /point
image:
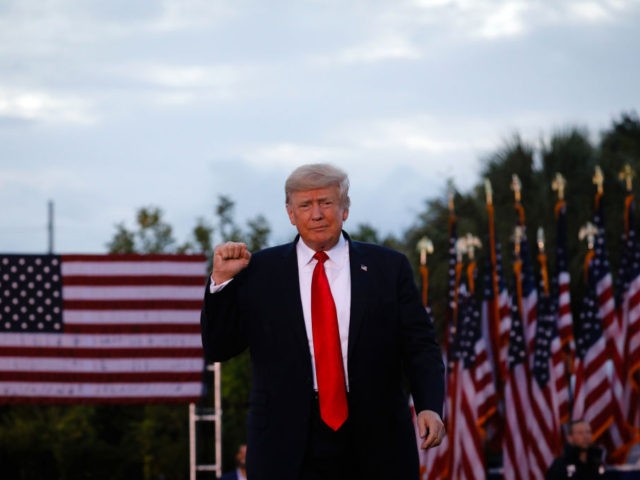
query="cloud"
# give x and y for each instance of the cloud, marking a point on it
(506, 20)
(179, 85)
(412, 133)
(290, 155)
(186, 76)
(388, 47)
(496, 19)
(40, 105)
(377, 147)
(44, 179)
(189, 14)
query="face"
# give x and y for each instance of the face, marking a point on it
(580, 435)
(241, 456)
(318, 215)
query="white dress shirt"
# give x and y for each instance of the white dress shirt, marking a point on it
(339, 276)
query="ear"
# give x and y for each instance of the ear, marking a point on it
(345, 214)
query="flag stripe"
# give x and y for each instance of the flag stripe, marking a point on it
(111, 365)
(133, 304)
(87, 317)
(20, 392)
(82, 377)
(146, 280)
(111, 328)
(53, 340)
(74, 352)
(130, 292)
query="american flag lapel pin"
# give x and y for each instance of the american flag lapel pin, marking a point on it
(363, 268)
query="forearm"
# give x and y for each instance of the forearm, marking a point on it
(425, 370)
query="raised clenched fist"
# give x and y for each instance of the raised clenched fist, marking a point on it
(229, 259)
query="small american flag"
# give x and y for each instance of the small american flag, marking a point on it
(549, 388)
(593, 389)
(518, 416)
(475, 394)
(496, 316)
(628, 291)
(599, 377)
(563, 278)
(100, 328)
(618, 435)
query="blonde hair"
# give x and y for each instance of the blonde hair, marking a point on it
(318, 175)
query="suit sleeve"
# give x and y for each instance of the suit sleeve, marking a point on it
(422, 354)
(222, 322)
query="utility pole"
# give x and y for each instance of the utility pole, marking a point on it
(50, 227)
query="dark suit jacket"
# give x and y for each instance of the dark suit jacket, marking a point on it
(230, 476)
(390, 334)
(233, 475)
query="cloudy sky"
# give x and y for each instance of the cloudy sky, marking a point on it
(107, 106)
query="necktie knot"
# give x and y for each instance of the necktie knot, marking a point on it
(321, 256)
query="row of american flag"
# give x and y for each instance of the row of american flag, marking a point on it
(520, 365)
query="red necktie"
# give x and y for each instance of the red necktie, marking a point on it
(332, 392)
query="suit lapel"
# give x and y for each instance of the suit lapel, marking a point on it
(291, 286)
(360, 281)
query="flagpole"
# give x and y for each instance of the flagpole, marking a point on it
(517, 270)
(50, 226)
(425, 247)
(516, 186)
(495, 325)
(564, 317)
(472, 242)
(627, 175)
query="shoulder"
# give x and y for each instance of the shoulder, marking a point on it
(377, 250)
(275, 253)
(379, 254)
(229, 476)
(557, 470)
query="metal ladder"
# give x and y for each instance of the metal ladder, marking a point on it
(206, 414)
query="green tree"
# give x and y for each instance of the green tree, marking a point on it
(201, 240)
(229, 231)
(364, 232)
(153, 234)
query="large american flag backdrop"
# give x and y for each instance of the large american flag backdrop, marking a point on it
(100, 328)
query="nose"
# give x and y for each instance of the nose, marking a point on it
(316, 211)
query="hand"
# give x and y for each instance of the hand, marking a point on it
(229, 259)
(431, 428)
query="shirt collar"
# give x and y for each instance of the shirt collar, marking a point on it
(337, 254)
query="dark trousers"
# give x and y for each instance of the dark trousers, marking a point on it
(330, 455)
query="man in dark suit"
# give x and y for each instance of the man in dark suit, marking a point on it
(240, 472)
(581, 459)
(335, 330)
